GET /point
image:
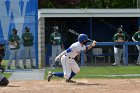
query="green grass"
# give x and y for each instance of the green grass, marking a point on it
(7, 74)
(111, 70)
(4, 62)
(104, 72)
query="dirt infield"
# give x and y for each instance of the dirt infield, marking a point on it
(82, 86)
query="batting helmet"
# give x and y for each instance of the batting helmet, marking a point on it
(82, 37)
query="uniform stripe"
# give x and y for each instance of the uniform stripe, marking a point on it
(69, 50)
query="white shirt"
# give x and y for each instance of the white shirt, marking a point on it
(75, 48)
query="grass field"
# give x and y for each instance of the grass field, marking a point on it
(7, 74)
(105, 72)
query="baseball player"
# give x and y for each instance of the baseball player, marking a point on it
(28, 47)
(136, 38)
(118, 49)
(70, 67)
(14, 49)
(56, 41)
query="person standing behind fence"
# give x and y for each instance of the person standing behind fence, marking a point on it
(136, 38)
(56, 41)
(28, 47)
(14, 49)
(118, 49)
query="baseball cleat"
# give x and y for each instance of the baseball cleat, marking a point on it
(70, 81)
(49, 76)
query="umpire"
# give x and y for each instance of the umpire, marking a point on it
(3, 80)
(28, 47)
(56, 41)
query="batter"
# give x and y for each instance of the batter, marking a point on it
(67, 57)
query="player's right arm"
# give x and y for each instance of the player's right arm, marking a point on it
(70, 49)
(115, 38)
(60, 55)
(11, 40)
(52, 39)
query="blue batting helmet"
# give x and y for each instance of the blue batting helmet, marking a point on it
(82, 37)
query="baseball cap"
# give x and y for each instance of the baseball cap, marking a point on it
(55, 27)
(14, 29)
(27, 27)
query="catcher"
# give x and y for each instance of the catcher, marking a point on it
(3, 80)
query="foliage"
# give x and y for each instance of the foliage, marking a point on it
(88, 4)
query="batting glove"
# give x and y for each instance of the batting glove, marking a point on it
(93, 43)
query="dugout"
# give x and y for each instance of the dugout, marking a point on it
(98, 24)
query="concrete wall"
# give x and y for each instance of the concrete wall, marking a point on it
(41, 41)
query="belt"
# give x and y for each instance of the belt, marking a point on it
(69, 57)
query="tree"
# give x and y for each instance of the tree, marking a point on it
(87, 3)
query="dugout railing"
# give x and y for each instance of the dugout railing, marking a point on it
(126, 44)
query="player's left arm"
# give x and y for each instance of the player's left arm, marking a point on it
(91, 45)
(31, 37)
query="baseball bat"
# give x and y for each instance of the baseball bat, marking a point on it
(137, 47)
(76, 33)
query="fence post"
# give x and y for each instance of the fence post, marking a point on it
(126, 54)
(91, 27)
(82, 58)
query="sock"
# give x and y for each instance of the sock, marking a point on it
(59, 74)
(72, 75)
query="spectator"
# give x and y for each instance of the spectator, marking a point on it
(56, 41)
(14, 49)
(136, 38)
(118, 49)
(28, 47)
